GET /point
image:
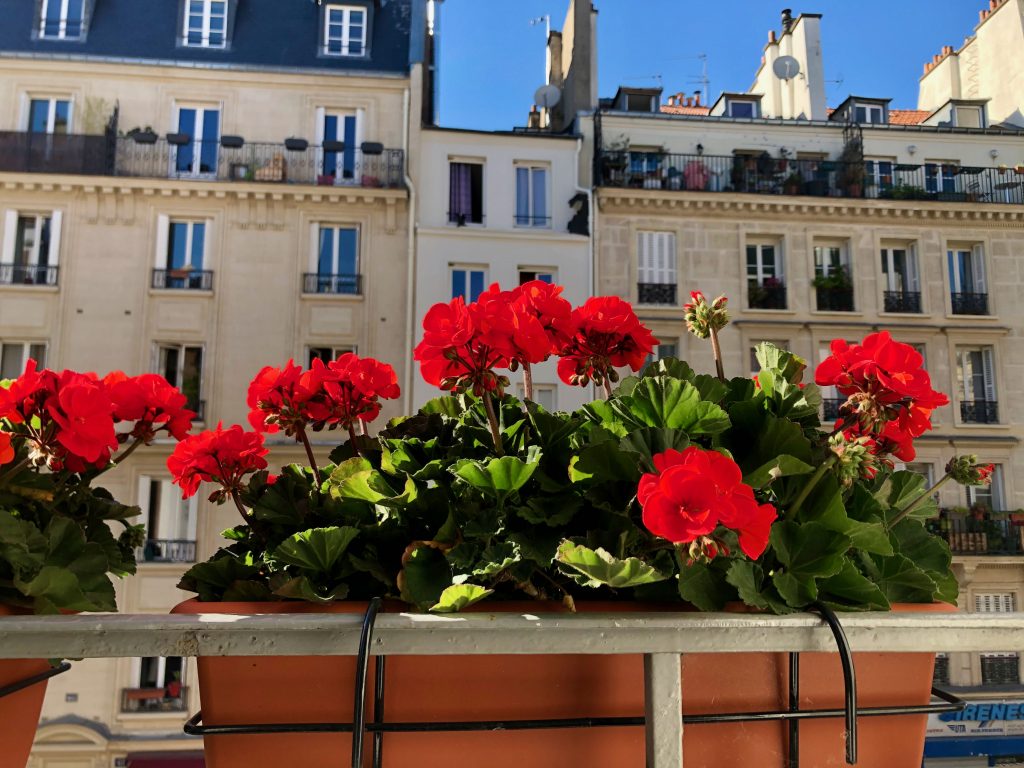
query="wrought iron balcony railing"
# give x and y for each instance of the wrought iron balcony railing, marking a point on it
(351, 285)
(183, 279)
(170, 698)
(979, 411)
(767, 295)
(656, 293)
(903, 301)
(24, 152)
(835, 299)
(993, 534)
(767, 175)
(167, 551)
(830, 408)
(17, 274)
(969, 303)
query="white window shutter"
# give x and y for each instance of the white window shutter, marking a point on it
(669, 274)
(978, 269)
(56, 220)
(989, 371)
(913, 279)
(320, 115)
(780, 263)
(163, 228)
(207, 242)
(643, 257)
(314, 248)
(10, 236)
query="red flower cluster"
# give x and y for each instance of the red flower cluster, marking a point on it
(341, 393)
(6, 449)
(151, 402)
(606, 335)
(889, 394)
(694, 491)
(222, 456)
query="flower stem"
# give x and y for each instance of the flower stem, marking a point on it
(352, 439)
(7, 476)
(128, 451)
(716, 350)
(806, 490)
(527, 382)
(304, 439)
(917, 502)
(492, 419)
(607, 388)
(241, 510)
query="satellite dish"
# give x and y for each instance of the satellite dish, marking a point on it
(547, 96)
(786, 67)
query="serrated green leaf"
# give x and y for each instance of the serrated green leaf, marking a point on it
(706, 589)
(459, 596)
(902, 488)
(852, 590)
(303, 588)
(317, 549)
(497, 558)
(668, 403)
(600, 567)
(748, 579)
(605, 462)
(425, 576)
(650, 441)
(901, 581)
(808, 549)
(499, 477)
(780, 466)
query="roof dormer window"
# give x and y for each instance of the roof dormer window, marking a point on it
(741, 108)
(344, 30)
(968, 117)
(869, 114)
(205, 24)
(61, 19)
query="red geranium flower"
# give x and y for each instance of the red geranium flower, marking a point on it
(276, 398)
(23, 399)
(6, 449)
(544, 302)
(694, 491)
(351, 389)
(222, 456)
(606, 334)
(151, 402)
(84, 414)
(456, 353)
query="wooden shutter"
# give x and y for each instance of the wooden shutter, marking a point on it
(163, 228)
(995, 602)
(644, 253)
(978, 269)
(989, 373)
(10, 236)
(56, 221)
(656, 258)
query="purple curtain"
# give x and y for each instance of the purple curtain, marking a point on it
(460, 201)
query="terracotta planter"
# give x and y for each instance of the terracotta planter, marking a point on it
(447, 688)
(19, 712)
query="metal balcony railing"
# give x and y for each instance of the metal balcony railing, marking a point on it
(183, 279)
(167, 551)
(830, 407)
(1000, 670)
(351, 285)
(24, 152)
(979, 411)
(537, 222)
(170, 698)
(969, 303)
(17, 274)
(656, 293)
(835, 299)
(768, 295)
(767, 175)
(903, 301)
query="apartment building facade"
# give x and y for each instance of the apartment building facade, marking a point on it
(182, 193)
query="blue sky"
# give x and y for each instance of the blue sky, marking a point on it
(493, 60)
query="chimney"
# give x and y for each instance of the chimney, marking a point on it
(787, 20)
(696, 98)
(771, 37)
(533, 121)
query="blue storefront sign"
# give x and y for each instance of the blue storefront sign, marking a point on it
(982, 728)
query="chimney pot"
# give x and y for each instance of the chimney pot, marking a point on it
(993, 4)
(696, 98)
(982, 15)
(787, 19)
(771, 36)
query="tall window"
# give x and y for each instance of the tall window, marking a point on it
(206, 23)
(991, 495)
(339, 133)
(31, 245)
(468, 282)
(182, 366)
(49, 116)
(967, 283)
(15, 354)
(975, 371)
(878, 176)
(656, 268)
(198, 156)
(998, 668)
(344, 30)
(183, 264)
(158, 685)
(532, 196)
(170, 522)
(833, 278)
(61, 19)
(940, 176)
(465, 193)
(337, 261)
(902, 284)
(766, 287)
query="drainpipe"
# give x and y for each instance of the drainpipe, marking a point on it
(592, 208)
(410, 282)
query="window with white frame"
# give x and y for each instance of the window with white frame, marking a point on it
(158, 685)
(968, 283)
(900, 278)
(49, 115)
(991, 495)
(545, 275)
(181, 255)
(976, 380)
(532, 195)
(766, 287)
(182, 366)
(662, 351)
(742, 108)
(468, 282)
(199, 155)
(656, 268)
(878, 175)
(31, 248)
(833, 277)
(339, 135)
(968, 117)
(15, 354)
(326, 354)
(465, 192)
(170, 522)
(868, 114)
(998, 668)
(205, 24)
(61, 19)
(940, 175)
(336, 261)
(544, 395)
(344, 30)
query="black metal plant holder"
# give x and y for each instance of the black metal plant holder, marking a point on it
(378, 727)
(10, 688)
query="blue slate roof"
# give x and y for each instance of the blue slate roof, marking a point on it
(279, 34)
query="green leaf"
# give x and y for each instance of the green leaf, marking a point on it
(56, 588)
(317, 550)
(703, 587)
(748, 578)
(852, 590)
(650, 441)
(670, 404)
(356, 479)
(901, 581)
(911, 539)
(808, 549)
(825, 505)
(784, 364)
(212, 579)
(600, 567)
(605, 462)
(780, 466)
(424, 577)
(497, 558)
(302, 588)
(459, 596)
(900, 489)
(795, 590)
(499, 477)
(21, 544)
(551, 510)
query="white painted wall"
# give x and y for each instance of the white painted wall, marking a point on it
(803, 96)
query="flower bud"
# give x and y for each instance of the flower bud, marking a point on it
(613, 375)
(965, 470)
(855, 456)
(703, 317)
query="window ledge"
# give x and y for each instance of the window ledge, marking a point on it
(768, 312)
(973, 318)
(997, 427)
(898, 315)
(23, 287)
(180, 292)
(833, 313)
(343, 297)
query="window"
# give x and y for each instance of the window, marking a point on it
(740, 108)
(878, 176)
(340, 136)
(831, 399)
(968, 117)
(901, 284)
(544, 395)
(198, 155)
(941, 673)
(967, 284)
(337, 261)
(180, 266)
(975, 371)
(15, 354)
(532, 196)
(158, 685)
(326, 354)
(940, 176)
(205, 23)
(465, 193)
(49, 116)
(868, 113)
(998, 668)
(766, 288)
(344, 30)
(544, 275)
(170, 522)
(182, 366)
(468, 283)
(656, 268)
(833, 278)
(662, 351)
(61, 19)
(924, 469)
(991, 495)
(31, 247)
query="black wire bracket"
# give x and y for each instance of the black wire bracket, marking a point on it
(20, 685)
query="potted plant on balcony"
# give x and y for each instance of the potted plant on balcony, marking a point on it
(58, 433)
(672, 489)
(834, 290)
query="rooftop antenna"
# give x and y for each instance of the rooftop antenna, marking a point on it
(546, 21)
(703, 79)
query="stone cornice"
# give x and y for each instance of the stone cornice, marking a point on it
(733, 204)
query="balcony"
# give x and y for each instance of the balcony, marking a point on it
(835, 299)
(171, 698)
(979, 411)
(656, 293)
(969, 303)
(766, 175)
(991, 534)
(182, 280)
(908, 302)
(144, 155)
(831, 407)
(345, 285)
(167, 551)
(771, 294)
(16, 274)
